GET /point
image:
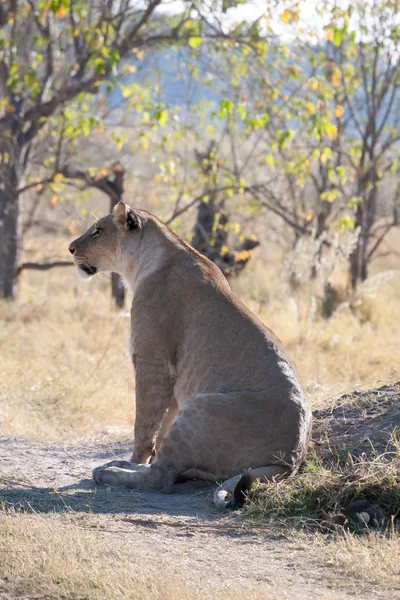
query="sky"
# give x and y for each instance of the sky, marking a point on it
(255, 9)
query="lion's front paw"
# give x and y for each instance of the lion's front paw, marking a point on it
(105, 475)
(121, 464)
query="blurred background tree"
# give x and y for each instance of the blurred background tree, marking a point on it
(241, 119)
(57, 57)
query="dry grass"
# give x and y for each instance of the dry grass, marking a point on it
(53, 560)
(372, 561)
(65, 370)
(65, 359)
(50, 558)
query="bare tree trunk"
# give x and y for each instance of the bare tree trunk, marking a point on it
(116, 189)
(207, 238)
(365, 218)
(210, 237)
(10, 222)
(117, 290)
(320, 229)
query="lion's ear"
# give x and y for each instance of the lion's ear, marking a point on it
(125, 218)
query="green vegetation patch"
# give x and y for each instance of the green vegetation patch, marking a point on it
(340, 490)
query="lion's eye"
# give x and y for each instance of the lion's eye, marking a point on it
(96, 232)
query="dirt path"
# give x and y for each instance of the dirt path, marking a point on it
(182, 529)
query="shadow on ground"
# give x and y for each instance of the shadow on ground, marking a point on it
(54, 478)
(189, 499)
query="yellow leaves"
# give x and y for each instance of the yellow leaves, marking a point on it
(331, 130)
(62, 11)
(102, 173)
(339, 111)
(311, 108)
(224, 250)
(54, 200)
(330, 35)
(314, 85)
(58, 178)
(285, 98)
(236, 227)
(290, 16)
(243, 255)
(146, 117)
(100, 128)
(336, 78)
(39, 187)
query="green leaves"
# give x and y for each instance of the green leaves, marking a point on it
(258, 122)
(225, 108)
(283, 137)
(195, 42)
(161, 115)
(346, 222)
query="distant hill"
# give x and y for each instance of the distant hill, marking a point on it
(169, 70)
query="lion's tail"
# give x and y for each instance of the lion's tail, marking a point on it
(241, 485)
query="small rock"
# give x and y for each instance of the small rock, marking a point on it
(363, 518)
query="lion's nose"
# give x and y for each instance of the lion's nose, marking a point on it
(71, 248)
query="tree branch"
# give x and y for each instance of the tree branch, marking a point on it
(43, 266)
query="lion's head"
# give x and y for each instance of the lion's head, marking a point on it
(106, 244)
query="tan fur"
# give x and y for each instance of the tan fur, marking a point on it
(216, 392)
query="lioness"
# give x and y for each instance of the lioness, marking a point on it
(216, 393)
